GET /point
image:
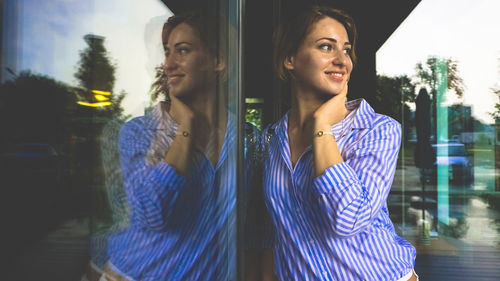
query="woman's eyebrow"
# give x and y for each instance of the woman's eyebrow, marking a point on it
(332, 40)
(182, 42)
(176, 44)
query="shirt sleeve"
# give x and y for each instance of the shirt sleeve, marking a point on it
(352, 193)
(151, 190)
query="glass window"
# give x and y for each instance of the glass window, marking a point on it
(446, 191)
(120, 146)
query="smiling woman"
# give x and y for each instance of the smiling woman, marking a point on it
(178, 166)
(330, 164)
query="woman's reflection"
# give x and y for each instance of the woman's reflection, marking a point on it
(178, 167)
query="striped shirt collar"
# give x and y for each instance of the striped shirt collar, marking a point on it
(364, 113)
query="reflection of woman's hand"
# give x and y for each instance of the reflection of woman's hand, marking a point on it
(178, 153)
(180, 112)
(331, 112)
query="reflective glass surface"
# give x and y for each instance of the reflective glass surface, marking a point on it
(121, 144)
(446, 190)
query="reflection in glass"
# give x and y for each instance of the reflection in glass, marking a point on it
(70, 83)
(445, 190)
(178, 164)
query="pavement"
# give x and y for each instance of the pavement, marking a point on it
(474, 255)
(59, 256)
(468, 252)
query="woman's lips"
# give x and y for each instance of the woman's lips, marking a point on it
(337, 76)
(174, 78)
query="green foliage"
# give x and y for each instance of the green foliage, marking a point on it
(95, 70)
(426, 75)
(36, 108)
(393, 93)
(496, 113)
(254, 117)
(460, 120)
(456, 228)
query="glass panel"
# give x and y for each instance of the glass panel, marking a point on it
(446, 191)
(121, 149)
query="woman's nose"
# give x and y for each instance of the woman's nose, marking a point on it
(170, 62)
(339, 57)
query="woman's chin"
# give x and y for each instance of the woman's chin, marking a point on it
(328, 94)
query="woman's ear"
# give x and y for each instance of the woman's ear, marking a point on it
(289, 63)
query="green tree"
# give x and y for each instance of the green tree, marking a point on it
(496, 113)
(36, 108)
(95, 71)
(426, 75)
(393, 96)
(393, 93)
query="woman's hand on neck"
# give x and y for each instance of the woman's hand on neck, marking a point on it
(207, 117)
(199, 109)
(309, 110)
(331, 112)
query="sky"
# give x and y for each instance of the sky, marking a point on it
(50, 37)
(466, 31)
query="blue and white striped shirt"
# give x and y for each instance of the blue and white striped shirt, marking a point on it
(180, 228)
(336, 226)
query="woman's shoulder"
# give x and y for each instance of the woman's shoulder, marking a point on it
(386, 120)
(367, 117)
(136, 123)
(137, 129)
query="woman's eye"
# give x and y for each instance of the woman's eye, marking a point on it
(183, 51)
(347, 51)
(325, 47)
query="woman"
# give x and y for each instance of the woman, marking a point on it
(178, 167)
(330, 164)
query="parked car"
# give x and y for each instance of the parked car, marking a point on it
(453, 155)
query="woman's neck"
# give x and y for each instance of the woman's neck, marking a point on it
(209, 111)
(304, 104)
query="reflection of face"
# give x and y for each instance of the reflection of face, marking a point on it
(188, 66)
(322, 63)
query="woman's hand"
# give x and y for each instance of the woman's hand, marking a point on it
(331, 112)
(325, 150)
(179, 152)
(180, 112)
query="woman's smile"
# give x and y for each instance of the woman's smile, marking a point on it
(324, 52)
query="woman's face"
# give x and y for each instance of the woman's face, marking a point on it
(189, 67)
(322, 63)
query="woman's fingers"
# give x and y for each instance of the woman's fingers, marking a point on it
(332, 111)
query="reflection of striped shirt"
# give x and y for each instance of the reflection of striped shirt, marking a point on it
(337, 226)
(180, 228)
